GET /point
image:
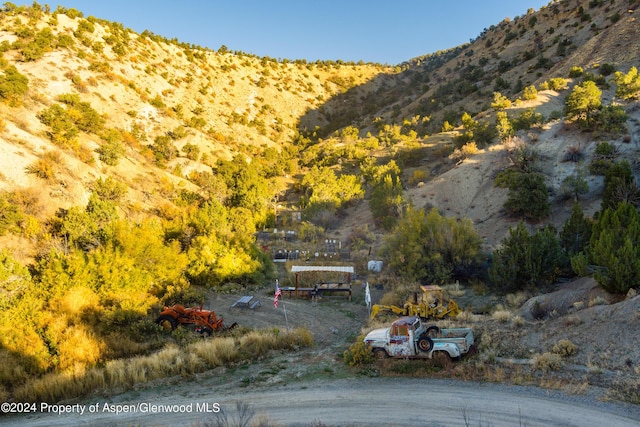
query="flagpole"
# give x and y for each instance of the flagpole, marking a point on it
(284, 306)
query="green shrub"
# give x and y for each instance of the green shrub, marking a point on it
(500, 102)
(503, 126)
(619, 186)
(611, 118)
(557, 83)
(81, 114)
(163, 150)
(628, 84)
(614, 247)
(65, 41)
(603, 158)
(157, 102)
(191, 151)
(110, 152)
(607, 69)
(527, 260)
(527, 119)
(109, 189)
(528, 195)
(36, 48)
(358, 354)
(12, 84)
(178, 133)
(576, 72)
(10, 218)
(85, 25)
(576, 232)
(573, 186)
(529, 93)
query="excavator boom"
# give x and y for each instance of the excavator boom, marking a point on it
(429, 305)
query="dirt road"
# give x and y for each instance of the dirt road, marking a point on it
(376, 401)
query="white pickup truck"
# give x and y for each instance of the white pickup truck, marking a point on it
(408, 337)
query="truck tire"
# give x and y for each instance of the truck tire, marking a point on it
(433, 331)
(380, 353)
(425, 343)
(166, 322)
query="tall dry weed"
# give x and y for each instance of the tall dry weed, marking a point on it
(219, 352)
(502, 315)
(123, 374)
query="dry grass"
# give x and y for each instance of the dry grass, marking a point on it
(464, 152)
(572, 320)
(502, 315)
(546, 362)
(43, 169)
(597, 301)
(517, 299)
(518, 321)
(123, 374)
(469, 317)
(565, 348)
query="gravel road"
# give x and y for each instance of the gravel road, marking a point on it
(370, 402)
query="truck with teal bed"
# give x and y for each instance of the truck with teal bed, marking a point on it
(408, 337)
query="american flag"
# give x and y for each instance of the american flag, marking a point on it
(277, 295)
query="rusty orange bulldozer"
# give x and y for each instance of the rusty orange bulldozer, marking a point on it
(205, 321)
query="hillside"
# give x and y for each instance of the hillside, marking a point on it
(225, 103)
(143, 85)
(136, 171)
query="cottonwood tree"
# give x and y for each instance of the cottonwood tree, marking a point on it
(431, 248)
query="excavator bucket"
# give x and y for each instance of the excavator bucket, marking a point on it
(453, 308)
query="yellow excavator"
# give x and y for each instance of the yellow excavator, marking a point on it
(429, 305)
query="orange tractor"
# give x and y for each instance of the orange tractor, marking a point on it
(205, 321)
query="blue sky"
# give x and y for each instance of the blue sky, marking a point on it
(387, 32)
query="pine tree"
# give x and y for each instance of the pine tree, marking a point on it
(576, 232)
(615, 248)
(527, 260)
(583, 102)
(528, 196)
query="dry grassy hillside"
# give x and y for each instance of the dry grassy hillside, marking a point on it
(144, 86)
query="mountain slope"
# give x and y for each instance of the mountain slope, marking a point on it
(145, 87)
